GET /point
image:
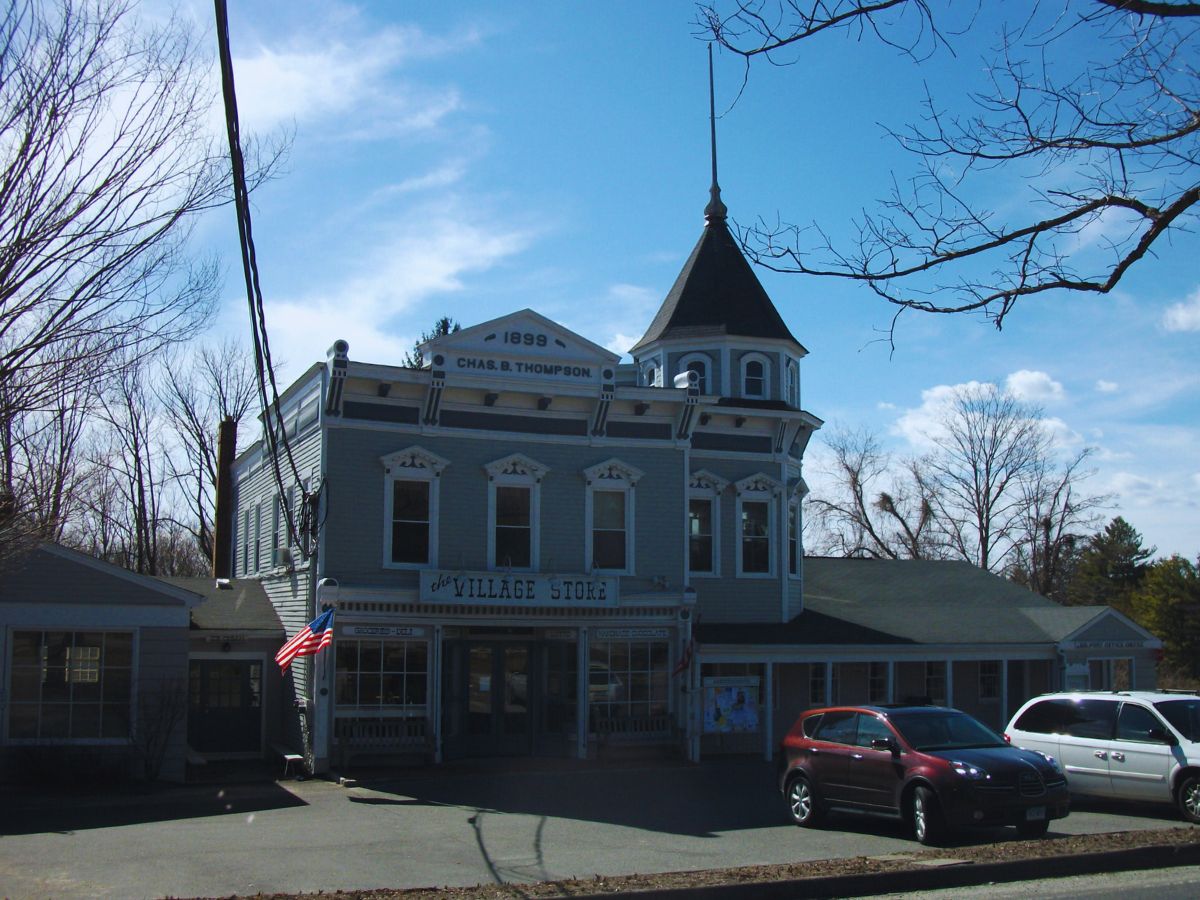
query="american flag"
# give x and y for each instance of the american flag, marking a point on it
(310, 640)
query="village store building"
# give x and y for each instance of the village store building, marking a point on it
(536, 550)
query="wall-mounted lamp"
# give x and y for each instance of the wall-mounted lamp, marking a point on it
(383, 388)
(544, 402)
(639, 409)
(490, 399)
(739, 421)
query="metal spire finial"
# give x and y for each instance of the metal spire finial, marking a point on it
(716, 210)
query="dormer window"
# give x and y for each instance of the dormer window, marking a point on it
(755, 370)
(697, 363)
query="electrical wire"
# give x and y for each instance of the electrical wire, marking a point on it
(302, 533)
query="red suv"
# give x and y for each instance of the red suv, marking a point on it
(937, 768)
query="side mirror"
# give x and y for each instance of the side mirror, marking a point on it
(884, 744)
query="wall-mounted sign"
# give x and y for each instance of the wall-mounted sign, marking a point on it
(631, 634)
(559, 634)
(518, 589)
(383, 631)
(1106, 645)
(730, 704)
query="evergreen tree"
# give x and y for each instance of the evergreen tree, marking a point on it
(445, 325)
(1110, 568)
(1168, 604)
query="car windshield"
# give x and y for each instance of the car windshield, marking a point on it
(1184, 715)
(927, 731)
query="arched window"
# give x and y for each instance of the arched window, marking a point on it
(755, 375)
(650, 374)
(793, 383)
(698, 363)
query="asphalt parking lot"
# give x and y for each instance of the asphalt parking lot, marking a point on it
(460, 826)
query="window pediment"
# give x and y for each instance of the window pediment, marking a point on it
(414, 462)
(759, 483)
(612, 473)
(516, 468)
(705, 480)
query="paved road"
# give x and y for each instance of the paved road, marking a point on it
(1182, 883)
(459, 827)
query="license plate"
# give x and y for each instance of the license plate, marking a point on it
(1035, 813)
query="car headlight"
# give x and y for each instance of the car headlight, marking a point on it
(966, 770)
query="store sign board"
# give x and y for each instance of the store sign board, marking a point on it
(384, 631)
(630, 634)
(1106, 645)
(518, 588)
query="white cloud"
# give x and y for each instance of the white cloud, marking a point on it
(1184, 316)
(620, 343)
(1034, 387)
(1106, 387)
(345, 77)
(412, 264)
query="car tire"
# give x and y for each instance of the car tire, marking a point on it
(802, 802)
(925, 813)
(1189, 798)
(1033, 829)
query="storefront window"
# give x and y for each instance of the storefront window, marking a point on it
(70, 685)
(628, 679)
(382, 676)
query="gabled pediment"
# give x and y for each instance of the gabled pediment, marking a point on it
(414, 460)
(758, 483)
(613, 472)
(516, 466)
(522, 346)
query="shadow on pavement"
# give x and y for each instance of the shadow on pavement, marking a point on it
(62, 812)
(674, 798)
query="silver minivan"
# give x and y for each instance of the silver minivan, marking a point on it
(1129, 745)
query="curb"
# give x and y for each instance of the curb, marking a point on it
(897, 881)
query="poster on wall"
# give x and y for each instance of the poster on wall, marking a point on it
(731, 705)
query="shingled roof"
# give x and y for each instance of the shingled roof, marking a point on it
(717, 294)
(872, 601)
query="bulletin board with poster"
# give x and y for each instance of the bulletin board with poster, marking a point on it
(731, 704)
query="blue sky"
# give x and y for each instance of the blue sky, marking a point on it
(472, 159)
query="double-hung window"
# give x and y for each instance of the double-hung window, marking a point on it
(514, 500)
(757, 498)
(411, 481)
(756, 374)
(609, 512)
(704, 519)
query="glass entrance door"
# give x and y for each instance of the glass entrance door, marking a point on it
(498, 699)
(225, 706)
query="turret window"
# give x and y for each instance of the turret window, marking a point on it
(699, 364)
(755, 375)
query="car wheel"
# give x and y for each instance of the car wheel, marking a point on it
(1033, 829)
(1189, 798)
(926, 814)
(802, 802)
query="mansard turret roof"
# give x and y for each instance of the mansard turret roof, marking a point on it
(716, 295)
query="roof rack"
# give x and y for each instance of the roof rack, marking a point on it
(1187, 691)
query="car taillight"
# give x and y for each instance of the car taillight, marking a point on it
(1007, 739)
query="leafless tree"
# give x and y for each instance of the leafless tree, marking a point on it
(1095, 103)
(1057, 521)
(219, 383)
(874, 508)
(106, 158)
(995, 477)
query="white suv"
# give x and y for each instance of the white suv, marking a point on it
(1133, 745)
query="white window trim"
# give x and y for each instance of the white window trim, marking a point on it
(611, 475)
(759, 488)
(516, 470)
(704, 485)
(766, 364)
(685, 361)
(412, 464)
